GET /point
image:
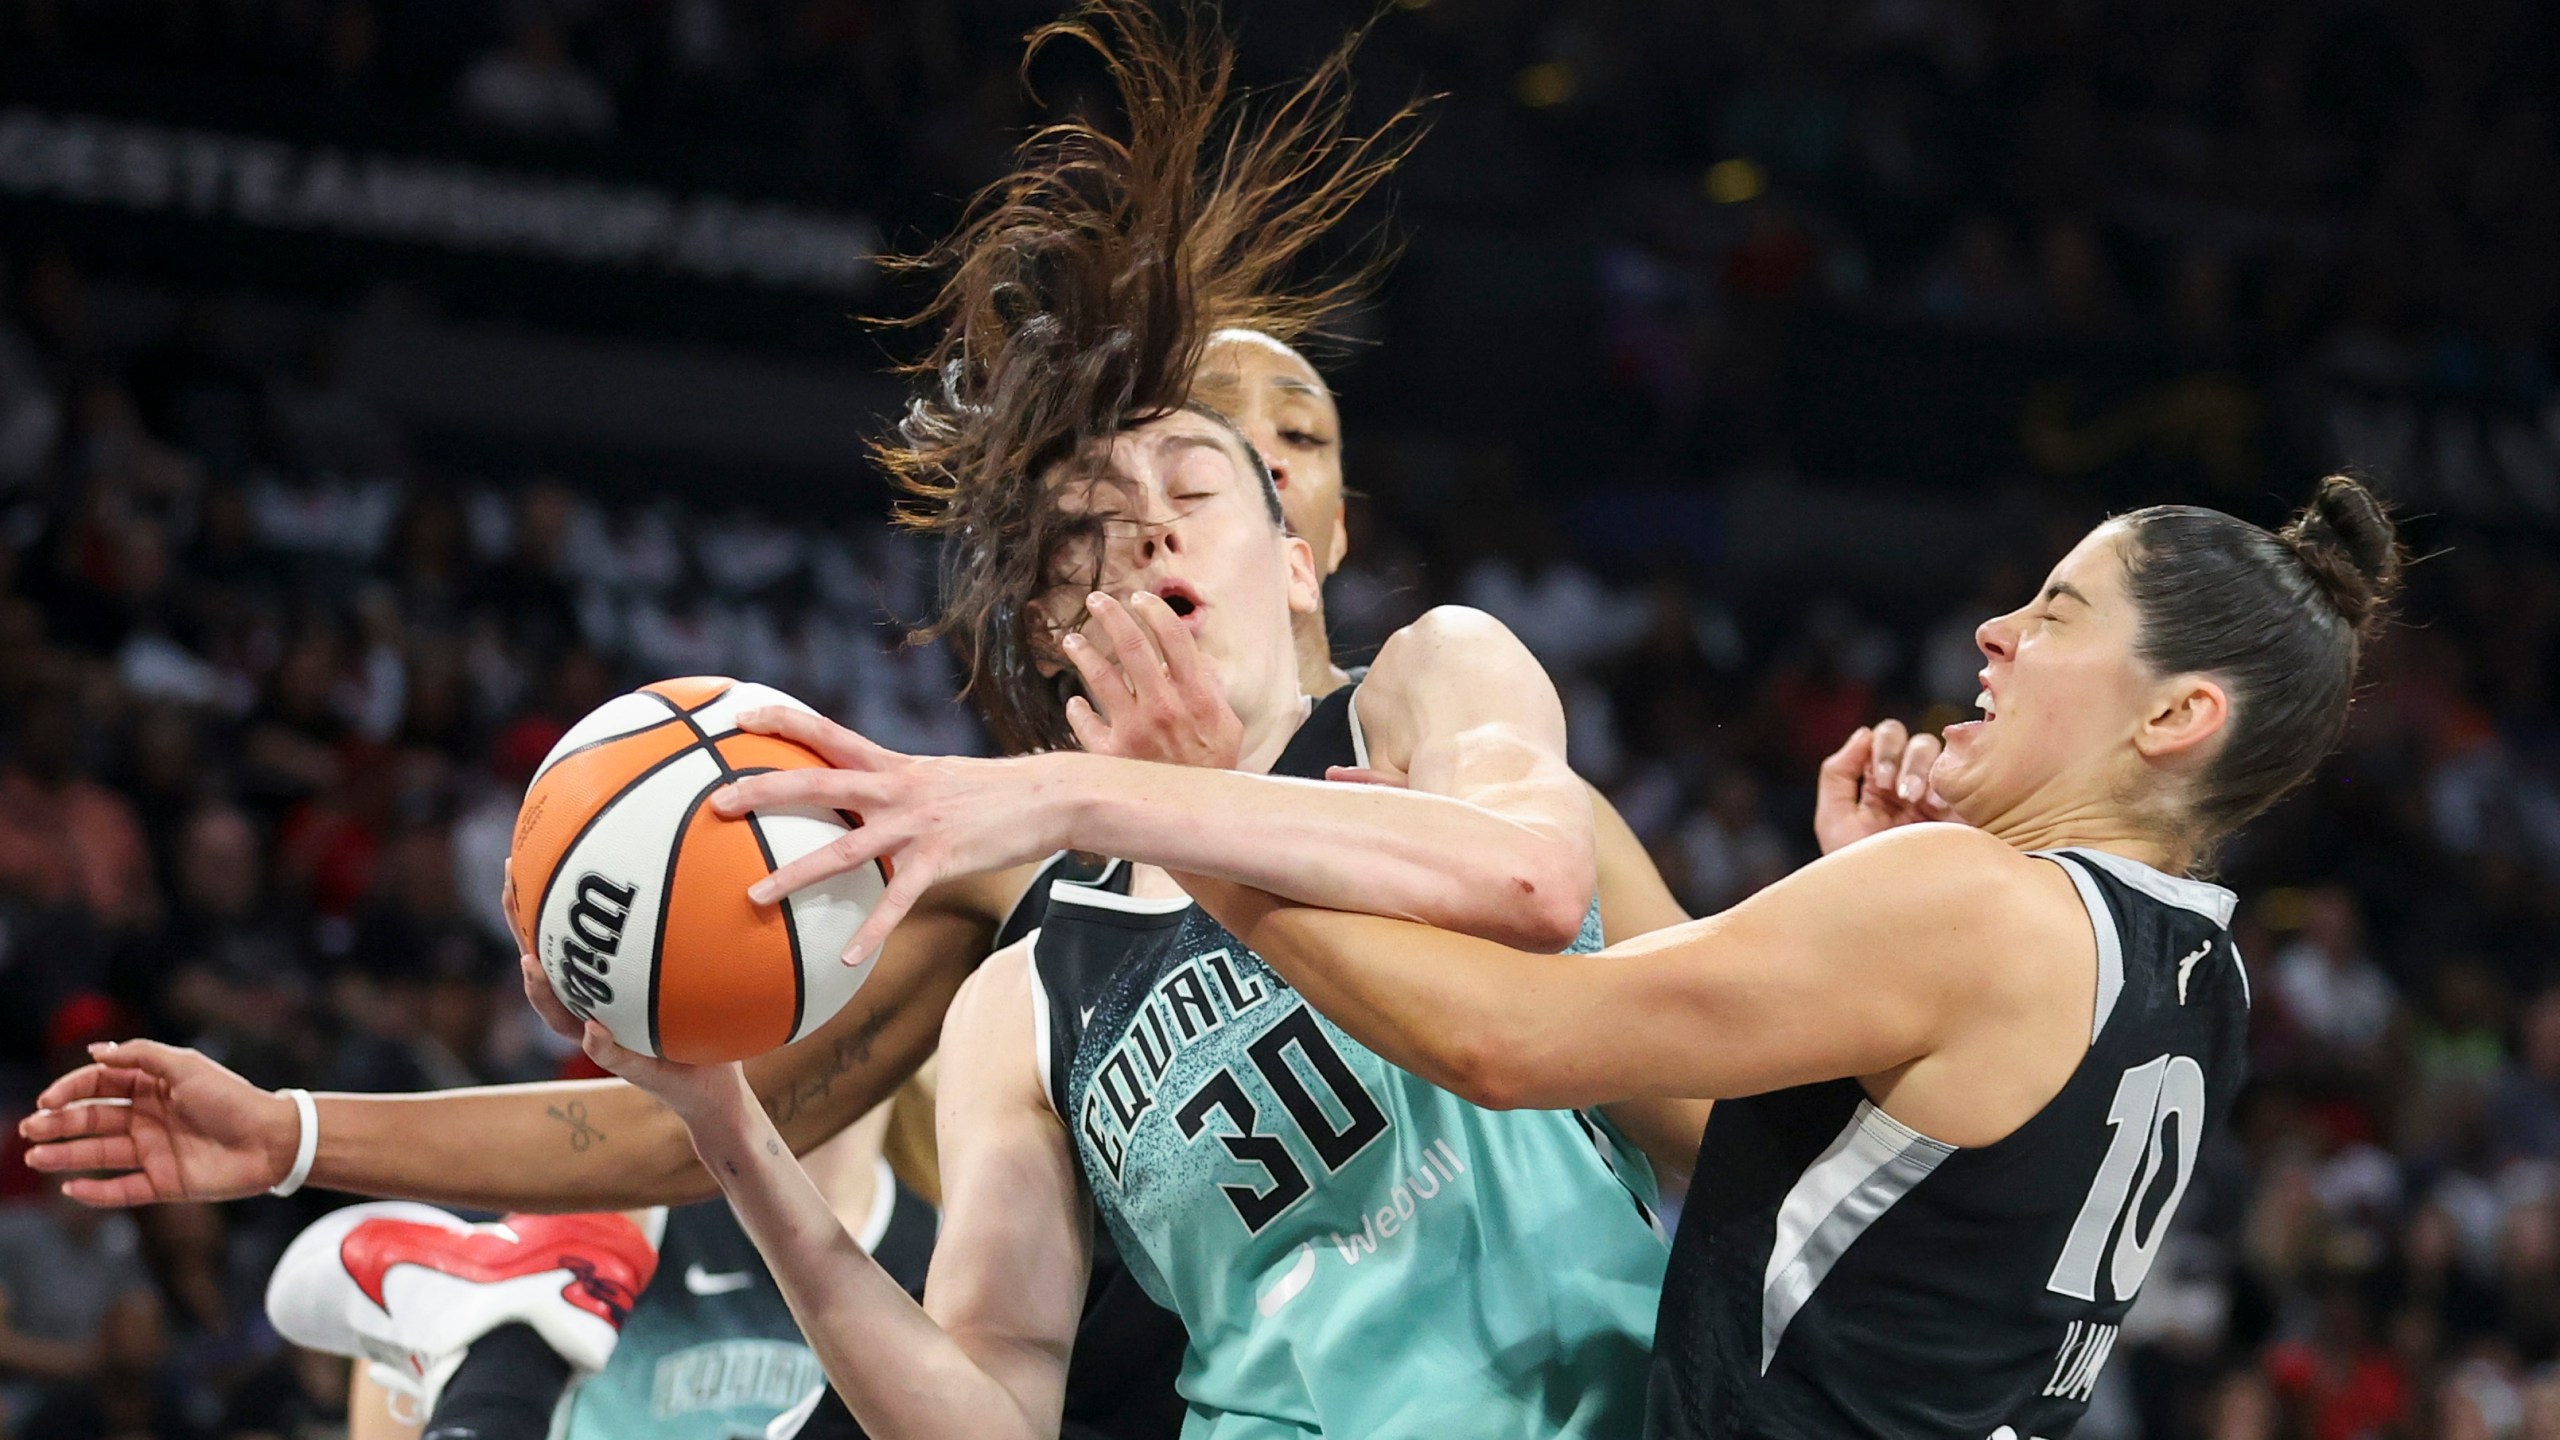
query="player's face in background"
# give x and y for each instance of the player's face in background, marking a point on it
(1183, 516)
(2064, 694)
(1281, 404)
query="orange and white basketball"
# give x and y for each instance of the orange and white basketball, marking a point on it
(634, 890)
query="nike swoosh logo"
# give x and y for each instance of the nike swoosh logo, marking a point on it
(1288, 1286)
(2188, 965)
(703, 1282)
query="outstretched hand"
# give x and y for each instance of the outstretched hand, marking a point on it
(1875, 781)
(149, 1123)
(924, 818)
(1153, 696)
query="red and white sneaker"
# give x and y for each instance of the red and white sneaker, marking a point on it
(410, 1287)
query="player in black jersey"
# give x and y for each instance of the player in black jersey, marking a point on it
(1959, 1074)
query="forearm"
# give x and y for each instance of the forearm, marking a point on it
(1460, 1012)
(1857, 965)
(855, 1062)
(606, 1145)
(900, 1373)
(1376, 849)
(566, 1147)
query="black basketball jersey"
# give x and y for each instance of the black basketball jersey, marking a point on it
(1838, 1274)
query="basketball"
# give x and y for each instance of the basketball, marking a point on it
(634, 891)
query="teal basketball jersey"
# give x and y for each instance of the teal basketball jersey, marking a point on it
(1354, 1252)
(711, 1351)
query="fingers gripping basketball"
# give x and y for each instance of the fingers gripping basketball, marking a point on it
(634, 891)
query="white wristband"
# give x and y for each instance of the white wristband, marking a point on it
(307, 1149)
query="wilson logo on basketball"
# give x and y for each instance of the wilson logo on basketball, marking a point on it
(632, 888)
(595, 936)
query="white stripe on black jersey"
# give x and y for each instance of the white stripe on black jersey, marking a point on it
(1838, 1274)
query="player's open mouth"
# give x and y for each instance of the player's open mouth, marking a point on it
(1984, 702)
(1182, 600)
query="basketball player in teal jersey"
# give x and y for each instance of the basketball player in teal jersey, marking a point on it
(1352, 1251)
(1323, 1223)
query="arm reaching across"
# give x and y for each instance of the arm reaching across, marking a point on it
(1894, 962)
(1489, 833)
(149, 1123)
(986, 1354)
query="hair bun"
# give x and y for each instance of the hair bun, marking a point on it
(2346, 538)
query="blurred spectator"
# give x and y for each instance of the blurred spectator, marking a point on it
(65, 839)
(2529, 1280)
(2524, 1115)
(2329, 987)
(1729, 849)
(76, 1306)
(2340, 1383)
(1976, 280)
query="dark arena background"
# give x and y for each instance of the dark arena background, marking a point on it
(384, 383)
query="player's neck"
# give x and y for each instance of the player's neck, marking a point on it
(1267, 732)
(1317, 674)
(2087, 826)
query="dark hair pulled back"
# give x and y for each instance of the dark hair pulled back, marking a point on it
(2280, 617)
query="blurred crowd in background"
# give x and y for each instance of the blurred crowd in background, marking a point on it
(273, 668)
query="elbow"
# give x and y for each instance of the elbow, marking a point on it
(1545, 907)
(1528, 894)
(1485, 1068)
(1560, 913)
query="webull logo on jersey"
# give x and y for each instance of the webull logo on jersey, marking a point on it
(595, 937)
(1440, 1169)
(1195, 1000)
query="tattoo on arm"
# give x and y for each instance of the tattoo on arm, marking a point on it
(773, 1148)
(847, 1052)
(574, 1115)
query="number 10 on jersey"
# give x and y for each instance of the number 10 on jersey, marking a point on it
(2145, 1099)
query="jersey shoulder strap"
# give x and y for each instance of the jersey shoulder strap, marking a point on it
(2156, 932)
(1071, 866)
(1331, 736)
(1091, 939)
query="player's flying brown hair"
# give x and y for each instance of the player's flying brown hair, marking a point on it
(1078, 295)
